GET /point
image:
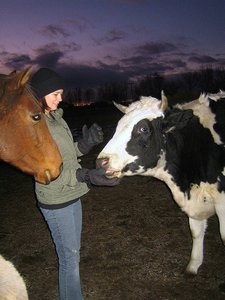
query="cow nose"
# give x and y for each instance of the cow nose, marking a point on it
(102, 162)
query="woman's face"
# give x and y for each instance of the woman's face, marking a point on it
(53, 99)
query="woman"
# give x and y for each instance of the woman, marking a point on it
(59, 201)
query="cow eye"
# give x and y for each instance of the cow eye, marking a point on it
(143, 129)
(36, 117)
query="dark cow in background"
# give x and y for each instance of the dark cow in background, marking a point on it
(182, 146)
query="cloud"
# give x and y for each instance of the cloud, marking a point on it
(48, 57)
(202, 59)
(79, 24)
(53, 31)
(127, 64)
(87, 76)
(135, 60)
(177, 63)
(116, 70)
(111, 36)
(155, 48)
(14, 61)
(52, 47)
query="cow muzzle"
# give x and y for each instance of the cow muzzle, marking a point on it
(104, 162)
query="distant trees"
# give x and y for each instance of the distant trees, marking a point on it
(113, 92)
(190, 85)
(207, 80)
(150, 85)
(185, 87)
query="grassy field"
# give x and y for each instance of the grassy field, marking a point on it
(135, 244)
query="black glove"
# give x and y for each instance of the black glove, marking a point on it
(96, 177)
(91, 137)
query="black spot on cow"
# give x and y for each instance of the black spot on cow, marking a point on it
(191, 154)
(146, 144)
(218, 109)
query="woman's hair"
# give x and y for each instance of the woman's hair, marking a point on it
(43, 104)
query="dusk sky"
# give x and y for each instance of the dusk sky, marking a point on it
(91, 42)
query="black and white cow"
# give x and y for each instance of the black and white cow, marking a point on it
(12, 285)
(182, 146)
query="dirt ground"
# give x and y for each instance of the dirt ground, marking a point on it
(136, 242)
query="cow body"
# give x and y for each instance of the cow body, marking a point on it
(12, 285)
(182, 146)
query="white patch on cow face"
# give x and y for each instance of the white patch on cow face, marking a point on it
(115, 150)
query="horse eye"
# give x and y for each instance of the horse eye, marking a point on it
(36, 117)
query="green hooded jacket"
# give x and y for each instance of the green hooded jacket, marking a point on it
(66, 187)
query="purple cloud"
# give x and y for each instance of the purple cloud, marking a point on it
(112, 36)
(202, 59)
(53, 31)
(14, 61)
(155, 48)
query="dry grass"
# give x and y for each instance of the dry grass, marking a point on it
(135, 243)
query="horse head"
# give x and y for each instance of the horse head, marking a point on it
(25, 141)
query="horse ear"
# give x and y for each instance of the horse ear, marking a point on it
(24, 76)
(12, 73)
(17, 80)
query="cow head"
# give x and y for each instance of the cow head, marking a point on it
(135, 136)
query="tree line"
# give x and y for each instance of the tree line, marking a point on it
(184, 87)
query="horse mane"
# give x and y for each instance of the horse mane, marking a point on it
(8, 99)
(7, 102)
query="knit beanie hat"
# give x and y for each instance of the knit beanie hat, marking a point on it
(46, 81)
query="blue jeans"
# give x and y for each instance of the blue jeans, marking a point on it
(65, 225)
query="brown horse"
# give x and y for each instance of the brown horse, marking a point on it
(25, 141)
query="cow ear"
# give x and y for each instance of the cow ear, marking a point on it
(177, 119)
(121, 107)
(164, 102)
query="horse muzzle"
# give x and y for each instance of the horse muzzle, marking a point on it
(47, 176)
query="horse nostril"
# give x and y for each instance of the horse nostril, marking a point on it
(48, 176)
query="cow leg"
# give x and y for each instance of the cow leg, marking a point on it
(198, 231)
(220, 211)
